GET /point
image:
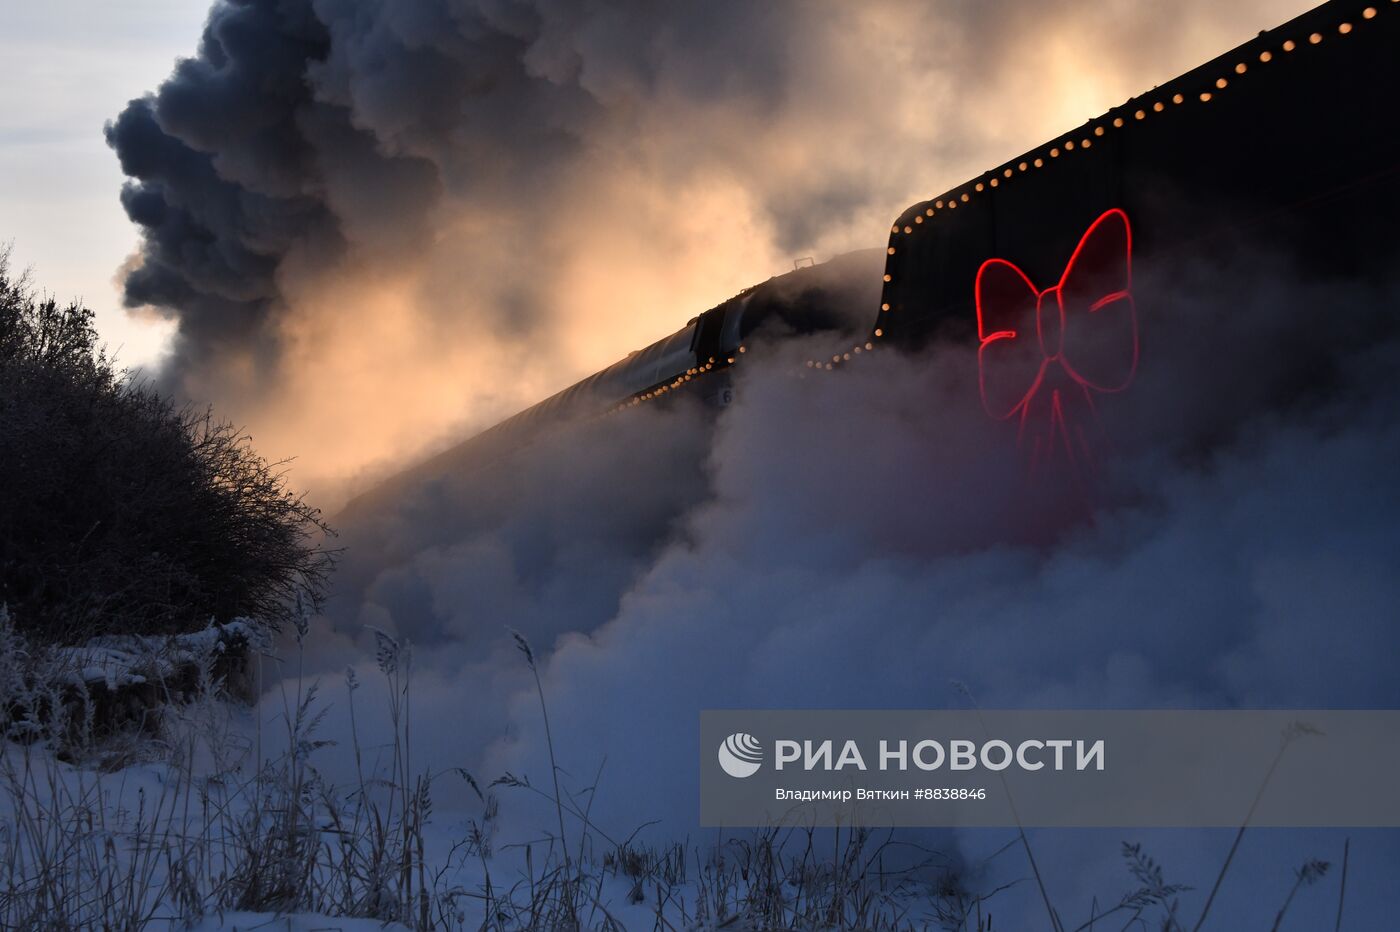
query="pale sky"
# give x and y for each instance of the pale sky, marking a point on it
(70, 65)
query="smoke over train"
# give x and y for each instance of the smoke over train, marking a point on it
(1278, 147)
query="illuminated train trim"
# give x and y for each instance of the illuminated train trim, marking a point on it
(1250, 58)
(1255, 54)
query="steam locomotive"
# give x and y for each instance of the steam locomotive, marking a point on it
(1288, 142)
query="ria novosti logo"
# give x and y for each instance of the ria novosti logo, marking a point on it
(740, 755)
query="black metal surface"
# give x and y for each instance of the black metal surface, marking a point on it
(1298, 155)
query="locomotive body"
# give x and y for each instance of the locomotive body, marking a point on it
(1287, 144)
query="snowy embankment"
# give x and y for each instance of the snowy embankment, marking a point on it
(198, 811)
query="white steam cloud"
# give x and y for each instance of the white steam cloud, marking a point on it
(867, 537)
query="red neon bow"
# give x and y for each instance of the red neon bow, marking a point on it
(1084, 341)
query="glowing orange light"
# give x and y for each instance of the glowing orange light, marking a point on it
(1054, 153)
(879, 332)
(1098, 130)
(1205, 96)
(1266, 56)
(1344, 28)
(884, 307)
(1289, 45)
(908, 229)
(1159, 106)
(1241, 68)
(1140, 114)
(890, 250)
(964, 197)
(1369, 12)
(1039, 163)
(1221, 82)
(995, 182)
(1315, 38)
(1177, 98)
(919, 219)
(889, 278)
(1118, 121)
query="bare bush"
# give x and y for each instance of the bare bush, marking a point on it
(122, 513)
